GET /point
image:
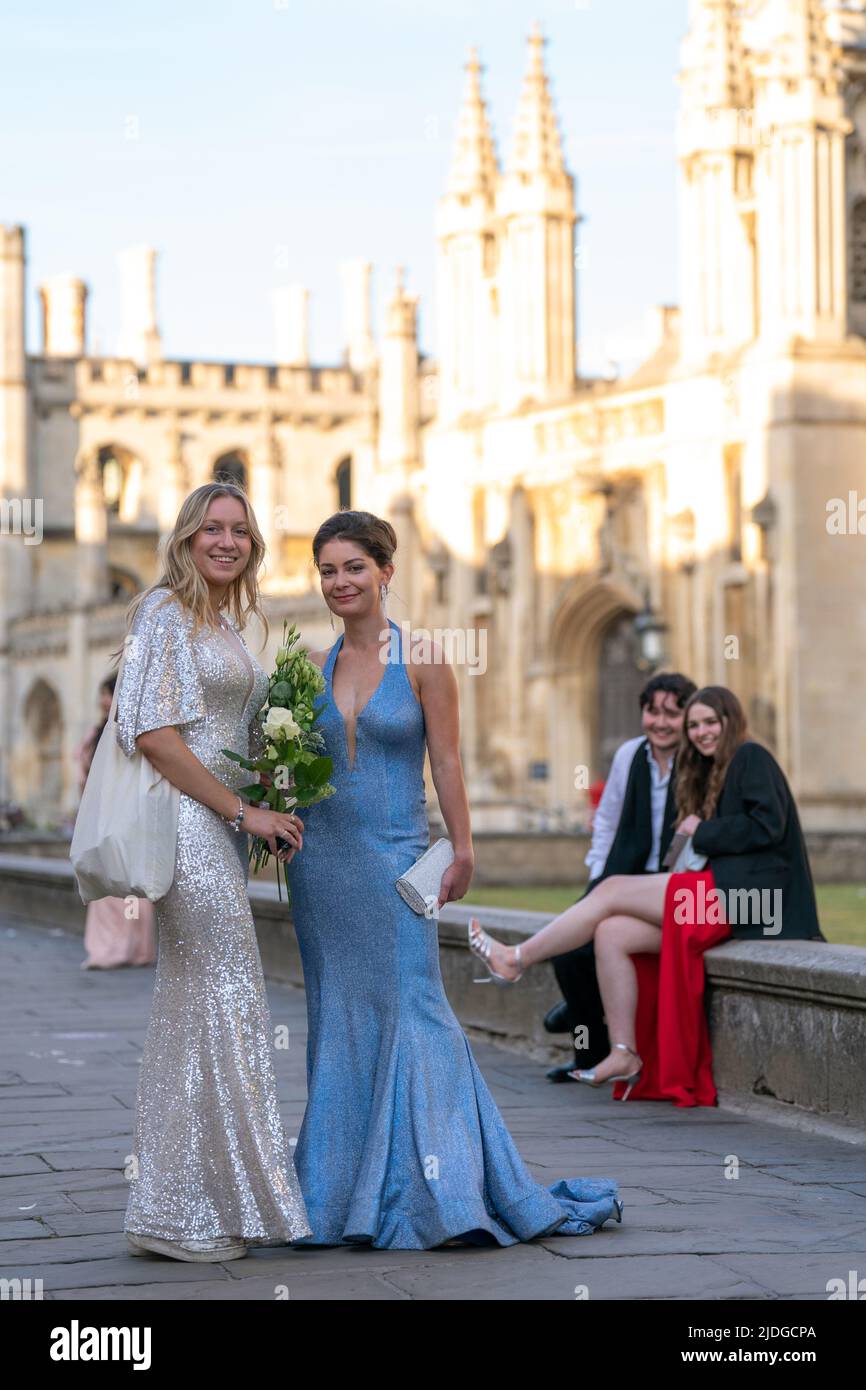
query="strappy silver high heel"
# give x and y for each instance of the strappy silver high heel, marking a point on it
(632, 1079)
(480, 945)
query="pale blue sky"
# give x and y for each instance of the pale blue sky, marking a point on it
(324, 127)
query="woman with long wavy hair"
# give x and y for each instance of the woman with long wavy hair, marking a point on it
(746, 874)
(211, 1172)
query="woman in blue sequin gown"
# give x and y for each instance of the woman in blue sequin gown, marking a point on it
(402, 1145)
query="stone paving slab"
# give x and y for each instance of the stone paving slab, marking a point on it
(792, 1219)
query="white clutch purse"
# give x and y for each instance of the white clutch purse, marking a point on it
(419, 886)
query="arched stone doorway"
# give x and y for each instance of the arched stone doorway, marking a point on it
(592, 683)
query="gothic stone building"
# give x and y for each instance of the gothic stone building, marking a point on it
(706, 512)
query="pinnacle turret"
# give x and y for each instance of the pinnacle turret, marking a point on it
(475, 167)
(537, 146)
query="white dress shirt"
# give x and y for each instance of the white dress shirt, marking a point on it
(658, 797)
(609, 810)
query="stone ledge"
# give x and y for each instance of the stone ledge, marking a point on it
(786, 1018)
(810, 970)
(516, 857)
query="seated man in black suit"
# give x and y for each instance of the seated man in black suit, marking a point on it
(633, 827)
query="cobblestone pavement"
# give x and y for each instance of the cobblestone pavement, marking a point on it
(793, 1219)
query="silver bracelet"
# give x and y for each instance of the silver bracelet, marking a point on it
(236, 823)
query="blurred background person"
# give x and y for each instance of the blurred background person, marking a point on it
(117, 931)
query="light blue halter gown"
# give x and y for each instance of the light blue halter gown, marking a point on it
(402, 1145)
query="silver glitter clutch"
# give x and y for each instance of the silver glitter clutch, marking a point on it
(419, 886)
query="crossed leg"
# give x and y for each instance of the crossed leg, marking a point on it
(624, 913)
(638, 896)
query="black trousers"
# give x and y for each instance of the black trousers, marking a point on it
(576, 977)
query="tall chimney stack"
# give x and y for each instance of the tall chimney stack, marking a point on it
(64, 324)
(139, 335)
(291, 322)
(361, 350)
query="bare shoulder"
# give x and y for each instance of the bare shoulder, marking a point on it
(429, 668)
(424, 650)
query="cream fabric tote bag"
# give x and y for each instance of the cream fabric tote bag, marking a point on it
(125, 837)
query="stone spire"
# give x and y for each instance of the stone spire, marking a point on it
(537, 146)
(466, 235)
(536, 281)
(475, 167)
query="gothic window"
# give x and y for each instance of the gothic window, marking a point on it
(344, 484)
(112, 470)
(43, 719)
(857, 252)
(120, 473)
(440, 563)
(231, 468)
(481, 576)
(734, 499)
(743, 175)
(122, 584)
(501, 562)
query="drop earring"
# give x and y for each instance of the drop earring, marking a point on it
(383, 595)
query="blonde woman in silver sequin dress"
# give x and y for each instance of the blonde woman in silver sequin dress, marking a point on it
(212, 1172)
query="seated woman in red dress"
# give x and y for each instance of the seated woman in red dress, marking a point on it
(651, 930)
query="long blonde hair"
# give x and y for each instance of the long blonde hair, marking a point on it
(181, 575)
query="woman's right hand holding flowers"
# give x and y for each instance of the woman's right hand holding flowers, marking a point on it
(269, 824)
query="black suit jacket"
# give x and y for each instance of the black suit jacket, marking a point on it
(755, 841)
(634, 834)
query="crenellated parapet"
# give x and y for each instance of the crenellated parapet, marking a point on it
(321, 395)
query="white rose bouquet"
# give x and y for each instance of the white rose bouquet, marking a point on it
(297, 771)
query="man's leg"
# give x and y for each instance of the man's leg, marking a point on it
(575, 974)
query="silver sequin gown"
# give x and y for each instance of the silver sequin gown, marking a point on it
(210, 1148)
